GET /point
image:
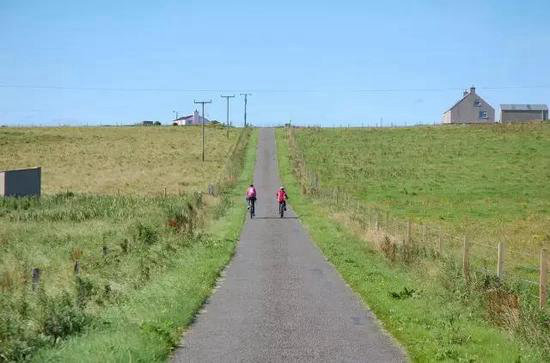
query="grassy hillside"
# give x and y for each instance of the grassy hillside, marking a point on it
(135, 251)
(491, 181)
(110, 160)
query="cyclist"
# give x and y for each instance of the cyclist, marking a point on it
(282, 197)
(251, 195)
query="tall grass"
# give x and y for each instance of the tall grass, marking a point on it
(120, 242)
(101, 255)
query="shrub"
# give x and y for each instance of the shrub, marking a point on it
(84, 291)
(62, 317)
(184, 219)
(145, 234)
(388, 248)
(18, 340)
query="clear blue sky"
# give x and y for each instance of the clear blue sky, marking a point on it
(76, 62)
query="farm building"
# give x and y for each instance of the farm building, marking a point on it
(194, 119)
(471, 108)
(521, 112)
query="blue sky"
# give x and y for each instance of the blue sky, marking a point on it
(312, 62)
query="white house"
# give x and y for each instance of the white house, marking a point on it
(194, 119)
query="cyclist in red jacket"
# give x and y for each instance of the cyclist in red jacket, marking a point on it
(282, 197)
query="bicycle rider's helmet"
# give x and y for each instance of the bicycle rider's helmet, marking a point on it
(282, 188)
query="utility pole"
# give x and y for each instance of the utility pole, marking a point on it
(176, 119)
(202, 103)
(227, 98)
(245, 103)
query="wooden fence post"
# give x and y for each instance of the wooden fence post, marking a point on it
(500, 260)
(543, 279)
(376, 221)
(105, 250)
(77, 267)
(466, 260)
(164, 192)
(36, 272)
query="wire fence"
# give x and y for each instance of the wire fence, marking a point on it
(526, 268)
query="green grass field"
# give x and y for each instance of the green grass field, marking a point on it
(147, 262)
(489, 181)
(424, 303)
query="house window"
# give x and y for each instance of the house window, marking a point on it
(477, 103)
(483, 114)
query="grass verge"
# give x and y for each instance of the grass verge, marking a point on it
(147, 323)
(431, 321)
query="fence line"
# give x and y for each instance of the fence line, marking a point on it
(431, 239)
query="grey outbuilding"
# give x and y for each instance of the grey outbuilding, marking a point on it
(471, 108)
(523, 112)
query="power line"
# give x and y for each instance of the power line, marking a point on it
(263, 90)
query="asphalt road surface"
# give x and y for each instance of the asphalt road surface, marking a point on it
(279, 299)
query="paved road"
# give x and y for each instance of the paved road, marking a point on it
(280, 300)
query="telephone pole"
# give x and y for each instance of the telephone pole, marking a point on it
(176, 119)
(202, 103)
(245, 103)
(227, 98)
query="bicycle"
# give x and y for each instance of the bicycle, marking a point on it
(252, 207)
(282, 208)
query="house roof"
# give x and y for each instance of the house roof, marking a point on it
(183, 118)
(523, 107)
(190, 117)
(460, 100)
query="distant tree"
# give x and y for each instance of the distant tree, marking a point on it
(157, 123)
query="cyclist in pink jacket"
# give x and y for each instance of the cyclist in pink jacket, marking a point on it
(251, 196)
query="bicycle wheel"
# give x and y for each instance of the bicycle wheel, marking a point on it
(252, 208)
(281, 210)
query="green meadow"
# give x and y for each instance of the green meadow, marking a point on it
(491, 181)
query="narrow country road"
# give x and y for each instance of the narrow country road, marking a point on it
(280, 300)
